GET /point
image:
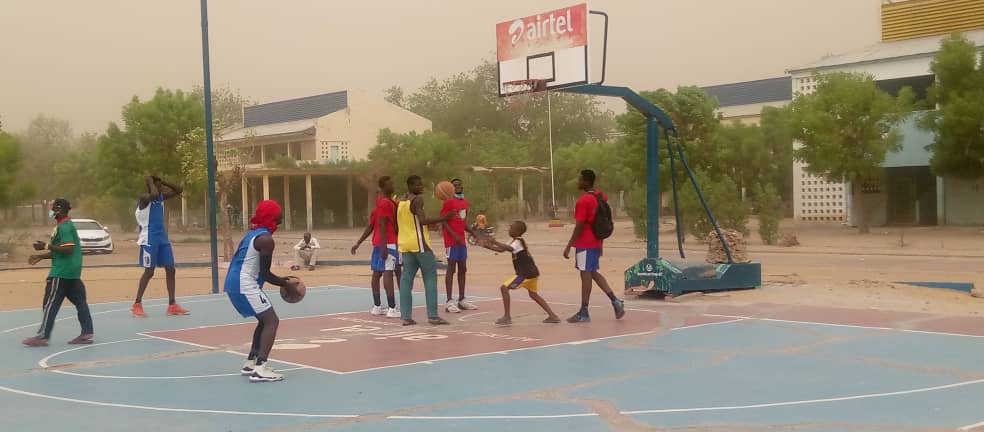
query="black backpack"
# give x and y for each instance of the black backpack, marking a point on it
(602, 226)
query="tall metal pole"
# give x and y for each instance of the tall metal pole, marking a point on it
(210, 153)
(652, 188)
(553, 192)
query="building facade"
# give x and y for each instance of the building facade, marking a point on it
(908, 193)
(298, 152)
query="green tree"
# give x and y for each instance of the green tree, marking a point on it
(46, 142)
(777, 135)
(768, 205)
(742, 156)
(227, 107)
(719, 191)
(692, 111)
(958, 148)
(155, 127)
(846, 128)
(11, 159)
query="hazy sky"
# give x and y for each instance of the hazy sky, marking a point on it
(83, 60)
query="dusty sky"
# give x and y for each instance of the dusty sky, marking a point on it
(82, 60)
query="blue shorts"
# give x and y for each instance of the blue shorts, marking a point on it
(250, 304)
(156, 255)
(389, 264)
(456, 253)
(588, 259)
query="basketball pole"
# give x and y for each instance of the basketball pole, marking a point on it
(210, 153)
(553, 193)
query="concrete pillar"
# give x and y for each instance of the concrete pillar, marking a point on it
(246, 208)
(266, 187)
(184, 211)
(287, 210)
(263, 155)
(940, 202)
(350, 211)
(310, 207)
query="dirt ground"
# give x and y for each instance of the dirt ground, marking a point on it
(833, 266)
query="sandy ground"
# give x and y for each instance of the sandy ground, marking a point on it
(834, 266)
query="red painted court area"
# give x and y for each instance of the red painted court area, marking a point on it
(356, 341)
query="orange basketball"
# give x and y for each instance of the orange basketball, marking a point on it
(293, 297)
(444, 190)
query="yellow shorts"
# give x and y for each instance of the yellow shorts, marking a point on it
(516, 282)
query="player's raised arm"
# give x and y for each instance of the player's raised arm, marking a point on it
(152, 192)
(171, 190)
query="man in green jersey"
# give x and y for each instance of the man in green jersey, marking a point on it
(64, 279)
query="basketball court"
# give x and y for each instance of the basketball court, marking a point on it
(664, 366)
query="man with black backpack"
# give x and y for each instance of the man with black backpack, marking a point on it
(594, 225)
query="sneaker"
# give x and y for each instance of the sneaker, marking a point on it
(437, 321)
(504, 321)
(377, 310)
(619, 306)
(137, 310)
(580, 317)
(263, 373)
(393, 312)
(551, 320)
(248, 368)
(310, 268)
(35, 341)
(82, 339)
(466, 305)
(452, 307)
(175, 309)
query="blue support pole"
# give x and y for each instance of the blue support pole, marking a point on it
(652, 187)
(210, 153)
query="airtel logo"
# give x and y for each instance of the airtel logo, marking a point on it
(549, 27)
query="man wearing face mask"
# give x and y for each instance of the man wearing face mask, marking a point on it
(65, 278)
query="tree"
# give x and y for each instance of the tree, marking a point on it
(769, 209)
(227, 107)
(154, 128)
(719, 191)
(692, 111)
(46, 142)
(742, 156)
(846, 128)
(11, 159)
(777, 135)
(958, 148)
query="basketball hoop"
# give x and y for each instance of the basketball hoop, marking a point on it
(518, 91)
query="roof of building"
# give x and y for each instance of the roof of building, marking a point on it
(752, 92)
(310, 107)
(268, 130)
(882, 51)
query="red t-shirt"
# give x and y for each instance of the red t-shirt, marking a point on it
(584, 211)
(459, 208)
(385, 206)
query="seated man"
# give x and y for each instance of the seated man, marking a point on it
(306, 252)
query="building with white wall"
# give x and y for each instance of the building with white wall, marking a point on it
(908, 192)
(297, 151)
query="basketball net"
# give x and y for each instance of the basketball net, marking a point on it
(519, 92)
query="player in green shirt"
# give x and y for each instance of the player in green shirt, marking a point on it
(64, 279)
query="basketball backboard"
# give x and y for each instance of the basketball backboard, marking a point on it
(550, 46)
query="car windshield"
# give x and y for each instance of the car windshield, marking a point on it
(88, 226)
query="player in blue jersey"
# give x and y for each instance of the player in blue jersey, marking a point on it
(248, 270)
(155, 247)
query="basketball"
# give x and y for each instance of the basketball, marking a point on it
(292, 297)
(444, 190)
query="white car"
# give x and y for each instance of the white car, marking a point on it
(95, 237)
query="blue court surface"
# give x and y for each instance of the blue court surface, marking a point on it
(690, 368)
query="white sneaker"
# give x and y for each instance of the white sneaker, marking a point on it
(248, 368)
(466, 305)
(393, 312)
(377, 310)
(452, 307)
(264, 373)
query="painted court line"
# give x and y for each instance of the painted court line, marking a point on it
(44, 364)
(72, 317)
(854, 326)
(972, 427)
(181, 410)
